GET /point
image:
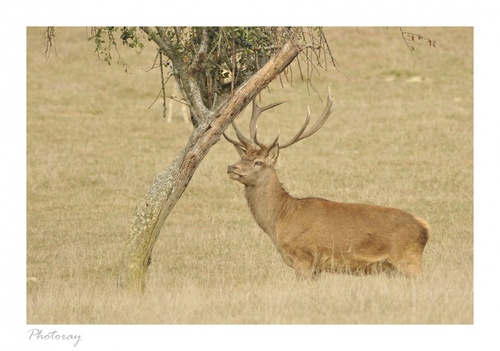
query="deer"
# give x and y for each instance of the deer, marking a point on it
(315, 235)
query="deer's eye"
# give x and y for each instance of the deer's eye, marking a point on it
(258, 163)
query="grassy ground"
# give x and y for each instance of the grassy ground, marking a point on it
(401, 136)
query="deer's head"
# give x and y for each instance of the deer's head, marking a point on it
(258, 159)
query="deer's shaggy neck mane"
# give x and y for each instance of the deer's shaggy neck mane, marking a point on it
(268, 201)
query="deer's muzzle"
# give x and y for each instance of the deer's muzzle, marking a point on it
(234, 172)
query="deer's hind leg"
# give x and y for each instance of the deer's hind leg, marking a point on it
(410, 268)
(409, 263)
(407, 256)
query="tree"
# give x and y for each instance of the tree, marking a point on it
(219, 71)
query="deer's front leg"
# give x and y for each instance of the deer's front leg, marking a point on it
(304, 270)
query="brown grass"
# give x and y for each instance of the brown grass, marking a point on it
(401, 136)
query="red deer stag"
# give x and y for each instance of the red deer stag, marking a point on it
(314, 235)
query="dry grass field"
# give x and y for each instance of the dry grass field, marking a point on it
(401, 136)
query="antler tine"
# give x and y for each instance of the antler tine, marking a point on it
(256, 111)
(275, 141)
(319, 123)
(234, 142)
(299, 133)
(244, 140)
(263, 146)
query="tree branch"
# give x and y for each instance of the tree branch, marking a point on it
(183, 75)
(201, 54)
(407, 37)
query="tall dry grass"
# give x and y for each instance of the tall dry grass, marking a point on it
(401, 136)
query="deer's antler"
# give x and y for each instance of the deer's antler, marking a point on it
(246, 143)
(319, 123)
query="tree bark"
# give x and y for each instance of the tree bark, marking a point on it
(152, 211)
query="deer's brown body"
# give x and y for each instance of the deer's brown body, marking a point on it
(314, 235)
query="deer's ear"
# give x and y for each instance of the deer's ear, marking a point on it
(241, 151)
(274, 153)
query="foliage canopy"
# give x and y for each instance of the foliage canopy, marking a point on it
(209, 63)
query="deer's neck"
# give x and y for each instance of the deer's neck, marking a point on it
(268, 201)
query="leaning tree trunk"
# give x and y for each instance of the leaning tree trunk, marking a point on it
(167, 188)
